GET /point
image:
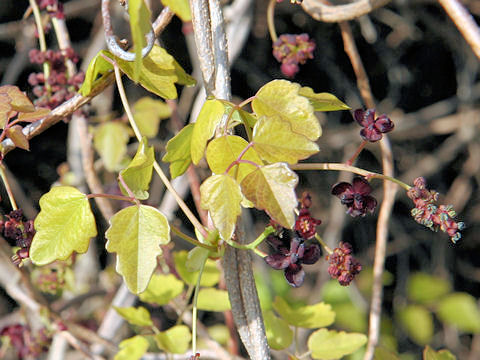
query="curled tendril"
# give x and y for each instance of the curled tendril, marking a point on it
(111, 40)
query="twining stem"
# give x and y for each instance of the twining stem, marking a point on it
(270, 20)
(359, 150)
(253, 244)
(127, 189)
(41, 40)
(113, 197)
(325, 246)
(3, 175)
(188, 213)
(194, 310)
(349, 168)
(245, 102)
(189, 239)
(239, 158)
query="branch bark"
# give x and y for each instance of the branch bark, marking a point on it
(335, 13)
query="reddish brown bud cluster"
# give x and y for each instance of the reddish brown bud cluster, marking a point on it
(25, 343)
(427, 213)
(61, 87)
(53, 7)
(18, 232)
(343, 266)
(291, 50)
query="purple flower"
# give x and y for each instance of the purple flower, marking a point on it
(291, 50)
(372, 128)
(289, 256)
(343, 266)
(356, 197)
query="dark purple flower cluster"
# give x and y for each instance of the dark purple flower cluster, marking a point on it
(427, 213)
(343, 266)
(19, 233)
(61, 87)
(25, 343)
(291, 50)
(372, 128)
(356, 196)
(53, 7)
(306, 225)
(290, 253)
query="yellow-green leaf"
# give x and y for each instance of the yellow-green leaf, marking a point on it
(110, 140)
(175, 340)
(5, 109)
(98, 67)
(178, 151)
(224, 150)
(161, 289)
(132, 349)
(211, 299)
(425, 288)
(18, 138)
(274, 141)
(281, 98)
(221, 195)
(460, 310)
(418, 323)
(38, 114)
(18, 100)
(139, 26)
(329, 344)
(430, 354)
(147, 113)
(138, 173)
(279, 334)
(181, 8)
(322, 101)
(307, 316)
(158, 73)
(65, 224)
(135, 316)
(210, 275)
(272, 188)
(135, 234)
(209, 117)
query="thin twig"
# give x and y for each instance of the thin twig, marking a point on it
(320, 11)
(464, 22)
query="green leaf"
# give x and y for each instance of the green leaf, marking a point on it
(158, 74)
(350, 317)
(425, 288)
(219, 333)
(147, 113)
(138, 173)
(418, 323)
(382, 353)
(196, 258)
(65, 224)
(175, 340)
(135, 316)
(209, 117)
(274, 141)
(221, 195)
(18, 138)
(139, 26)
(136, 234)
(281, 98)
(210, 275)
(98, 67)
(110, 140)
(178, 151)
(18, 100)
(329, 344)
(430, 354)
(247, 118)
(161, 289)
(211, 299)
(307, 316)
(279, 334)
(322, 101)
(272, 188)
(181, 8)
(132, 349)
(224, 150)
(460, 310)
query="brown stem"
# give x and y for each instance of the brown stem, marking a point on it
(324, 11)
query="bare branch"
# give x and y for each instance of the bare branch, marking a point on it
(335, 13)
